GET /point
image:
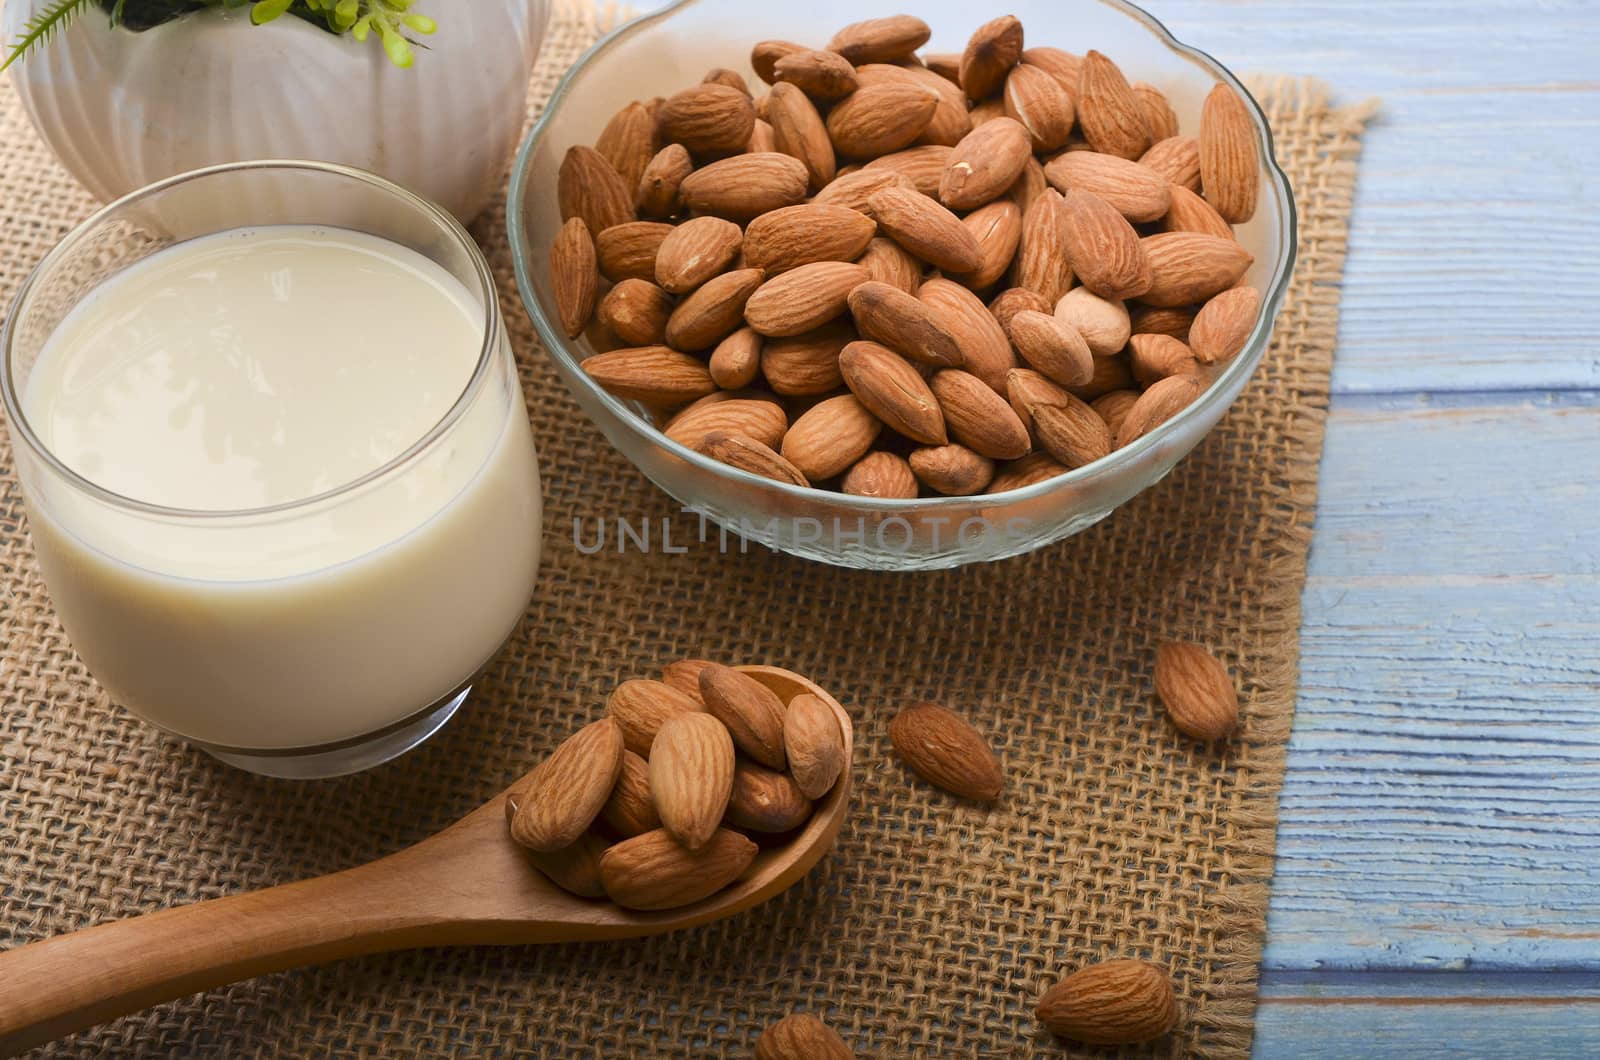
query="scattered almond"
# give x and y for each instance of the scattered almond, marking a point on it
(574, 868)
(1043, 263)
(1188, 267)
(1176, 158)
(880, 118)
(1189, 212)
(1036, 99)
(1114, 408)
(986, 162)
(1154, 357)
(736, 361)
(888, 262)
(985, 350)
(978, 417)
(813, 744)
(630, 810)
(798, 131)
(997, 227)
(824, 75)
(924, 166)
(628, 251)
(588, 186)
(1110, 258)
(745, 186)
(1195, 688)
(1163, 400)
(765, 800)
(1159, 117)
(1072, 432)
(947, 751)
(1135, 191)
(801, 1036)
(926, 229)
(763, 421)
(881, 40)
(808, 364)
(904, 324)
(713, 311)
(1118, 1002)
(1053, 346)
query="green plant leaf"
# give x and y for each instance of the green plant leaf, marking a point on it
(38, 30)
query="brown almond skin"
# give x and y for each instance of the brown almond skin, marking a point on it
(998, 229)
(1229, 172)
(574, 868)
(1013, 300)
(721, 75)
(1164, 400)
(889, 388)
(628, 251)
(801, 1036)
(880, 474)
(879, 118)
(630, 810)
(628, 142)
(985, 350)
(1136, 192)
(1187, 267)
(714, 311)
(1052, 346)
(765, 54)
(1196, 690)
(1177, 158)
(564, 793)
(752, 712)
(1042, 263)
(1072, 432)
(1154, 357)
(1102, 322)
(824, 75)
(762, 420)
(787, 238)
(652, 871)
(853, 190)
(655, 375)
(923, 166)
(812, 741)
(765, 800)
(953, 470)
(978, 417)
(736, 361)
(684, 675)
(803, 298)
(1110, 373)
(947, 752)
(830, 436)
(708, 119)
(691, 776)
(659, 184)
(1118, 1002)
(636, 311)
(588, 186)
(1027, 389)
(1168, 320)
(749, 455)
(697, 250)
(901, 322)
(926, 229)
(1114, 407)
(1109, 112)
(1188, 212)
(1035, 98)
(1030, 470)
(806, 365)
(994, 48)
(986, 162)
(887, 262)
(1109, 256)
(746, 186)
(640, 707)
(881, 40)
(799, 131)
(574, 275)
(1224, 324)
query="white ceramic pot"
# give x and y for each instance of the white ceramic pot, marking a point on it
(123, 109)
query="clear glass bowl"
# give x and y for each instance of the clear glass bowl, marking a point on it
(671, 49)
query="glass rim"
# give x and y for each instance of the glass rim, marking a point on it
(23, 429)
(1232, 378)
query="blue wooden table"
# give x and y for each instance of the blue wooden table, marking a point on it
(1437, 888)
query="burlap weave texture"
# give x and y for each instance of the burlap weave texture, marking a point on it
(935, 924)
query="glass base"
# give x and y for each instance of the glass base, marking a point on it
(347, 756)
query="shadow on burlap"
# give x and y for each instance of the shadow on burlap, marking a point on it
(935, 924)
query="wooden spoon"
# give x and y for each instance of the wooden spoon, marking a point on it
(468, 885)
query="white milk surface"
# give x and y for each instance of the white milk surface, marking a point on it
(261, 367)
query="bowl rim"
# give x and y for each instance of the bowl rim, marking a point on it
(1126, 458)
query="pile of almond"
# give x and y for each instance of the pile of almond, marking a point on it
(895, 274)
(654, 805)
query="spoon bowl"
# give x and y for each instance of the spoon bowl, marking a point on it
(467, 885)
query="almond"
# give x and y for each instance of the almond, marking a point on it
(1029, 186)
(806, 365)
(1103, 322)
(888, 262)
(589, 187)
(799, 235)
(803, 298)
(763, 421)
(574, 868)
(691, 777)
(812, 741)
(746, 186)
(1029, 471)
(878, 474)
(991, 52)
(1137, 193)
(798, 131)
(1043, 264)
(953, 470)
(946, 64)
(630, 810)
(893, 391)
(765, 55)
(762, 139)
(721, 75)
(1117, 1002)
(1159, 117)
(1109, 112)
(713, 311)
(1027, 389)
(752, 712)
(750, 456)
(801, 1036)
(1224, 324)
(640, 707)
(684, 675)
(1109, 256)
(1114, 408)
(765, 800)
(830, 436)
(985, 350)
(654, 375)
(708, 119)
(1052, 346)
(1164, 400)
(1170, 320)
(636, 311)
(657, 192)
(904, 324)
(978, 417)
(1013, 300)
(1154, 357)
(986, 162)
(998, 229)
(1191, 213)
(1073, 432)
(574, 276)
(824, 75)
(628, 142)
(950, 119)
(697, 250)
(652, 871)
(855, 189)
(1110, 373)
(1064, 66)
(881, 40)
(881, 118)
(1036, 99)
(736, 361)
(947, 752)
(1188, 267)
(1177, 159)
(987, 110)
(628, 251)
(564, 793)
(926, 229)
(923, 166)
(1195, 688)
(1229, 170)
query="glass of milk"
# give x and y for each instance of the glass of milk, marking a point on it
(278, 471)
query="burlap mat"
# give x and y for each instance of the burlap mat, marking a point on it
(934, 926)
